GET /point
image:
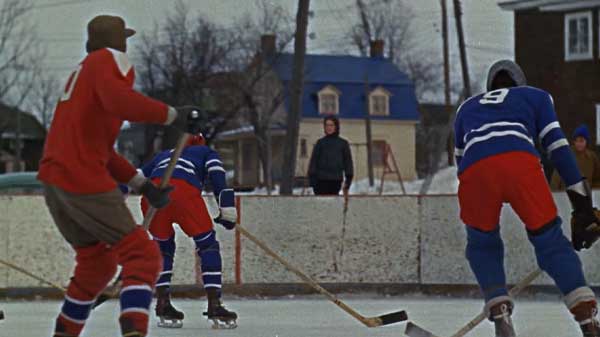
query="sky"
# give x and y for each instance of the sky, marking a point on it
(488, 29)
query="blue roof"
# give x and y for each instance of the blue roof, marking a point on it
(348, 74)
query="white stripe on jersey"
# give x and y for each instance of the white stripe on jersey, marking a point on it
(559, 143)
(548, 128)
(213, 161)
(493, 134)
(188, 162)
(188, 170)
(491, 125)
(458, 152)
(216, 168)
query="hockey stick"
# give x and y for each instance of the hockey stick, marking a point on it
(370, 322)
(19, 269)
(344, 215)
(414, 330)
(113, 290)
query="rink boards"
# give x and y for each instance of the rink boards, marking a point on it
(390, 239)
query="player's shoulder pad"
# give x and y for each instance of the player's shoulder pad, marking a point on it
(121, 60)
(468, 101)
(534, 93)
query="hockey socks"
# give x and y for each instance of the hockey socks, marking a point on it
(556, 256)
(207, 248)
(96, 265)
(485, 252)
(167, 250)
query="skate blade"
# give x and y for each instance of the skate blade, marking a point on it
(170, 323)
(223, 325)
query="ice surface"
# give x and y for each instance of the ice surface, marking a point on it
(304, 317)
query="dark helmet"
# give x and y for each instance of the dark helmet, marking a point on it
(107, 31)
(510, 68)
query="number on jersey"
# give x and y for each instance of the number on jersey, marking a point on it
(71, 84)
(494, 97)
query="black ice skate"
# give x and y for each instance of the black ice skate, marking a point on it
(221, 317)
(585, 315)
(500, 315)
(168, 316)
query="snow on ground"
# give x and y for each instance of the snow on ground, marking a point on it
(304, 317)
(444, 181)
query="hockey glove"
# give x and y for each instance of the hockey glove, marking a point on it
(585, 229)
(227, 211)
(157, 197)
(189, 119)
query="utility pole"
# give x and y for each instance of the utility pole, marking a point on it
(447, 97)
(462, 48)
(293, 117)
(368, 133)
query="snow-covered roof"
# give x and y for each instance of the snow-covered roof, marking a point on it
(548, 5)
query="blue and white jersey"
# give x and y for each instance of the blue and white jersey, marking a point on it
(195, 164)
(511, 119)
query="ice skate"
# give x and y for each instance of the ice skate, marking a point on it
(500, 315)
(585, 315)
(168, 316)
(220, 317)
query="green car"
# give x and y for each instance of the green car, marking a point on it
(23, 182)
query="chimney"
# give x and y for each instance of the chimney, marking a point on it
(268, 44)
(377, 48)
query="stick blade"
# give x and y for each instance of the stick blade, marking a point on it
(413, 330)
(394, 317)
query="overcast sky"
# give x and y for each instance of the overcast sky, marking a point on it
(488, 30)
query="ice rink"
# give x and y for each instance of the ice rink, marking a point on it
(304, 317)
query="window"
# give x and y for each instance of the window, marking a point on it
(303, 148)
(578, 36)
(329, 100)
(379, 102)
(597, 124)
(378, 152)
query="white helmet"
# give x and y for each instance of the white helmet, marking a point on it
(513, 70)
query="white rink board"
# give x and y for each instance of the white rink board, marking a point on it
(389, 239)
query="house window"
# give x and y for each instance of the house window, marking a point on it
(578, 36)
(597, 124)
(329, 100)
(379, 102)
(303, 149)
(378, 152)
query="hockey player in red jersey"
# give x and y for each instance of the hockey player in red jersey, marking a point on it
(80, 171)
(498, 163)
(188, 210)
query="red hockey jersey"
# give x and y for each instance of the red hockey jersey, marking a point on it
(79, 154)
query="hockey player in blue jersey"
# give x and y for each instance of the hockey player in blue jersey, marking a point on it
(498, 163)
(188, 210)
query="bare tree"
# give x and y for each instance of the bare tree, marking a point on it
(261, 92)
(179, 62)
(46, 92)
(391, 21)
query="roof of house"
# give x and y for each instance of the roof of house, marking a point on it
(31, 128)
(548, 5)
(349, 75)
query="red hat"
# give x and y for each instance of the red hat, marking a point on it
(196, 140)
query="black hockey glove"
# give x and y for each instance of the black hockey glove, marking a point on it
(158, 198)
(585, 229)
(189, 119)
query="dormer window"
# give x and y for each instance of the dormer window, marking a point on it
(578, 36)
(329, 98)
(379, 102)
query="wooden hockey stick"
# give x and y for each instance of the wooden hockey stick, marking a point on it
(414, 330)
(19, 269)
(370, 322)
(113, 290)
